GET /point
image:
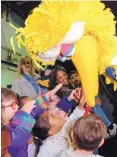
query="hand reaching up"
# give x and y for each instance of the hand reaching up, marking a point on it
(75, 95)
(28, 106)
(53, 91)
(82, 101)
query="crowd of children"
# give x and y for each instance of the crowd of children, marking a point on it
(57, 123)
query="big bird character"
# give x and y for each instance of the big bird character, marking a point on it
(81, 30)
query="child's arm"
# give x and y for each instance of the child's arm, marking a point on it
(77, 113)
(20, 129)
(68, 103)
(42, 101)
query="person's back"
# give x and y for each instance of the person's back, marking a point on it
(69, 153)
(87, 135)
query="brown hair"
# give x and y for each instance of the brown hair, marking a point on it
(7, 94)
(22, 59)
(41, 129)
(88, 132)
(23, 100)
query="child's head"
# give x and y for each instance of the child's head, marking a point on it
(88, 133)
(74, 79)
(54, 100)
(23, 100)
(50, 122)
(8, 105)
(60, 76)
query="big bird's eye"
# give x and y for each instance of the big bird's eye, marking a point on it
(74, 34)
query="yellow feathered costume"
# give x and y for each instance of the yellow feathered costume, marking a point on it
(50, 26)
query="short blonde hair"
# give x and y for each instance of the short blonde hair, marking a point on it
(22, 59)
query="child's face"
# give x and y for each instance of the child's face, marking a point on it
(75, 80)
(9, 109)
(57, 118)
(61, 77)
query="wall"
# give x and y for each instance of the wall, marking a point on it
(8, 73)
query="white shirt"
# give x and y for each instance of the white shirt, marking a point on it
(70, 153)
(55, 144)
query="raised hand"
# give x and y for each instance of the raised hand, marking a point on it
(28, 106)
(82, 101)
(75, 95)
(53, 91)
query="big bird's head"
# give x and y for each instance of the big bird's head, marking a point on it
(82, 30)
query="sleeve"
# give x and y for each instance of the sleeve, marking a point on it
(66, 105)
(48, 150)
(24, 120)
(20, 128)
(43, 153)
(41, 103)
(77, 113)
(16, 88)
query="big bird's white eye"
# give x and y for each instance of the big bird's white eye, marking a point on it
(114, 60)
(50, 54)
(74, 34)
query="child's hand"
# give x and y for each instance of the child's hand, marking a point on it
(53, 91)
(75, 95)
(28, 106)
(98, 101)
(82, 101)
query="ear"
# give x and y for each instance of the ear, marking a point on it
(101, 143)
(72, 135)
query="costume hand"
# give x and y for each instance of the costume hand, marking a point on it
(53, 91)
(28, 106)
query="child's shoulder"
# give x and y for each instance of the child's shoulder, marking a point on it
(58, 140)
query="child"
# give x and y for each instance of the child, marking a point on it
(19, 135)
(20, 122)
(75, 82)
(87, 135)
(51, 129)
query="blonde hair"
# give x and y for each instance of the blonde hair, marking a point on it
(20, 70)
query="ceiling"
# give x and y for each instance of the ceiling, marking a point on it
(24, 7)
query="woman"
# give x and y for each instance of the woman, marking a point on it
(26, 85)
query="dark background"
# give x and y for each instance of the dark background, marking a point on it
(108, 96)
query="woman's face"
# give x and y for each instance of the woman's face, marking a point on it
(61, 77)
(26, 66)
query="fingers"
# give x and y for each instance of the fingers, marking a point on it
(82, 102)
(56, 88)
(53, 91)
(77, 94)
